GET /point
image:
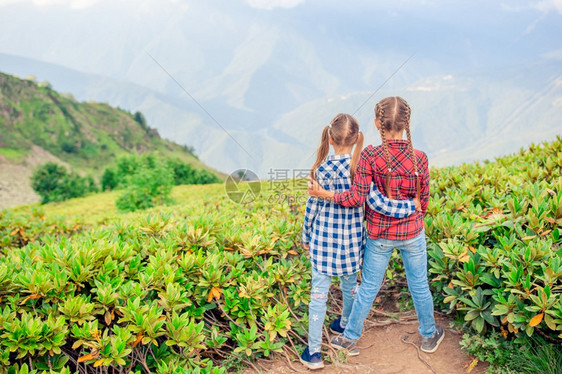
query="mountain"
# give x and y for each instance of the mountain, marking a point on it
(475, 114)
(38, 124)
(269, 80)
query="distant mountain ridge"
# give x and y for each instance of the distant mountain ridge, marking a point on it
(38, 124)
(475, 114)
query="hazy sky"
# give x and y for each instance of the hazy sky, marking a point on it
(255, 63)
(200, 37)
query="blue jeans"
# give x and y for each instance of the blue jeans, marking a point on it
(317, 306)
(377, 255)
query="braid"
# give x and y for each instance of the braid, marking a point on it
(411, 148)
(380, 115)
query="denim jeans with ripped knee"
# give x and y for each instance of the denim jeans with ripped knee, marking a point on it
(317, 306)
(375, 262)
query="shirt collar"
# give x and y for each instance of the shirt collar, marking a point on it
(338, 157)
(396, 143)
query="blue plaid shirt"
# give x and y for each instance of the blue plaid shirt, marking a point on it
(336, 234)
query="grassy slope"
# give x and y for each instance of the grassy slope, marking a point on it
(100, 208)
(88, 136)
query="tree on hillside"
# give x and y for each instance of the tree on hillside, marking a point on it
(148, 186)
(141, 120)
(54, 183)
(118, 176)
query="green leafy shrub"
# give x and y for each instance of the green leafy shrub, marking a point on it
(109, 179)
(147, 187)
(118, 176)
(208, 285)
(185, 174)
(495, 350)
(495, 248)
(160, 292)
(54, 183)
(18, 230)
(528, 356)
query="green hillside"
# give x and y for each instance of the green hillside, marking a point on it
(208, 285)
(86, 135)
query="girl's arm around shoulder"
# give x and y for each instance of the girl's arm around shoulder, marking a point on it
(389, 207)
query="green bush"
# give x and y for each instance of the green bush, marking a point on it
(147, 187)
(494, 349)
(197, 289)
(53, 183)
(523, 355)
(495, 243)
(109, 179)
(209, 285)
(68, 146)
(183, 173)
(18, 230)
(117, 176)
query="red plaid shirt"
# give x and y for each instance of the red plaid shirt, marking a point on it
(372, 167)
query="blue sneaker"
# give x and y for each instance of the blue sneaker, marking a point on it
(335, 327)
(312, 361)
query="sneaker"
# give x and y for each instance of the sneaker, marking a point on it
(339, 342)
(335, 327)
(430, 345)
(312, 361)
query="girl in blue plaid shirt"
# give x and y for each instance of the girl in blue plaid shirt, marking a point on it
(334, 234)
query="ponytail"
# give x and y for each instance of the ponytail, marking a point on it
(355, 157)
(322, 151)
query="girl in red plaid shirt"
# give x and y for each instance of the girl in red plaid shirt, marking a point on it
(401, 173)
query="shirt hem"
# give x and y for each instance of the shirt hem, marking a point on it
(393, 236)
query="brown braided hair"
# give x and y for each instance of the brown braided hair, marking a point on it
(344, 131)
(380, 115)
(398, 112)
(411, 148)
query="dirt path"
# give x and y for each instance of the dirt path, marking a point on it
(383, 352)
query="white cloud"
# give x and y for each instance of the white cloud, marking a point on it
(544, 6)
(270, 4)
(515, 8)
(73, 4)
(549, 5)
(7, 2)
(553, 55)
(533, 24)
(436, 84)
(146, 6)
